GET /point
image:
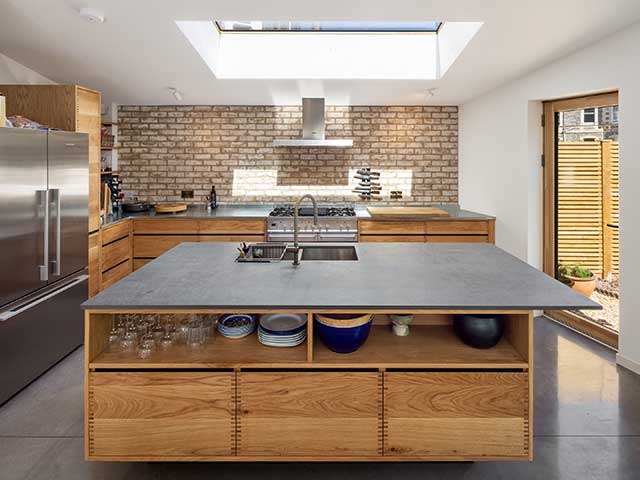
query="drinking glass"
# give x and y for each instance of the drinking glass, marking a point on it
(147, 343)
(195, 335)
(169, 336)
(183, 329)
(114, 334)
(157, 330)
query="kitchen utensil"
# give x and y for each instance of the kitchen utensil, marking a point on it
(479, 330)
(406, 212)
(135, 207)
(170, 207)
(344, 333)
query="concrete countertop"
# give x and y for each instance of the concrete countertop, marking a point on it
(400, 275)
(262, 211)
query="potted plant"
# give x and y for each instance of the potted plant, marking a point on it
(581, 279)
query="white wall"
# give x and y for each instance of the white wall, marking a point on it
(13, 72)
(501, 144)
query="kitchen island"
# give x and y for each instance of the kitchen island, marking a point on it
(425, 397)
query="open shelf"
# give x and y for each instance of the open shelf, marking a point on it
(220, 353)
(427, 346)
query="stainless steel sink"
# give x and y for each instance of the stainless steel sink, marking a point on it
(326, 253)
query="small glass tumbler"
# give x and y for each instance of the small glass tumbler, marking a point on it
(196, 333)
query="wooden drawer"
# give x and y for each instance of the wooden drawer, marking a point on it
(392, 238)
(231, 238)
(390, 228)
(115, 253)
(458, 238)
(115, 232)
(231, 226)
(152, 246)
(322, 414)
(461, 414)
(155, 225)
(168, 414)
(468, 227)
(140, 262)
(116, 273)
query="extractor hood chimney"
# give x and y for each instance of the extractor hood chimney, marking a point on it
(313, 128)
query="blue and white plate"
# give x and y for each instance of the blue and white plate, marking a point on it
(236, 325)
(283, 323)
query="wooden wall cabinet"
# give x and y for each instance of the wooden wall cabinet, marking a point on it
(161, 414)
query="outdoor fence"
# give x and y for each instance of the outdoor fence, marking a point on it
(588, 205)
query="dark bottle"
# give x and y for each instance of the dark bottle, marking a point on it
(213, 198)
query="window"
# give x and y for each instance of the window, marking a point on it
(589, 116)
(614, 115)
(288, 26)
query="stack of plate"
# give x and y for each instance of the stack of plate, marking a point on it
(282, 330)
(236, 325)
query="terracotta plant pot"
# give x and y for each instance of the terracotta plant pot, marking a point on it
(585, 286)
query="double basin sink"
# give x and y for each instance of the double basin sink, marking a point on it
(275, 252)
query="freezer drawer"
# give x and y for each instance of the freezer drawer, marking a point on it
(36, 334)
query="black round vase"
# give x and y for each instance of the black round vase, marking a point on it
(479, 331)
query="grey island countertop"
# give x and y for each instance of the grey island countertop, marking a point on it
(262, 211)
(447, 276)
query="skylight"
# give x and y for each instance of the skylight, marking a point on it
(288, 26)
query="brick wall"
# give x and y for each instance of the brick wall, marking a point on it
(165, 149)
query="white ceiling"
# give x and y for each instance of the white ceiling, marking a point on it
(139, 51)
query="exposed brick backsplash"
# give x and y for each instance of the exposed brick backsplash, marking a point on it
(166, 149)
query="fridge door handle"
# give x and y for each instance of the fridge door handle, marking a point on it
(44, 267)
(55, 200)
(7, 314)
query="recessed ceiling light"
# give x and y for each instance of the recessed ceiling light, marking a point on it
(92, 15)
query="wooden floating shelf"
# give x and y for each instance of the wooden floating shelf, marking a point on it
(428, 346)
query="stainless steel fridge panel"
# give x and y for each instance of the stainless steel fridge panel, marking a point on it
(37, 333)
(23, 200)
(68, 162)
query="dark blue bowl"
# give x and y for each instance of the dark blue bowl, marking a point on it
(344, 340)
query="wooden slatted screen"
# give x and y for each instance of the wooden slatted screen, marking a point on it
(615, 207)
(584, 202)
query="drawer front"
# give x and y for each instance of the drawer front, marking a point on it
(231, 238)
(140, 262)
(165, 225)
(390, 228)
(115, 253)
(116, 273)
(468, 227)
(392, 238)
(309, 414)
(161, 414)
(457, 238)
(232, 226)
(456, 414)
(152, 246)
(115, 232)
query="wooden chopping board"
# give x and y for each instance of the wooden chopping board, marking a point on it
(406, 212)
(170, 207)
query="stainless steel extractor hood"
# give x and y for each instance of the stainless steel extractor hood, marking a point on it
(313, 128)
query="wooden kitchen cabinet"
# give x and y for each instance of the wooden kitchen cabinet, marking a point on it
(456, 414)
(436, 231)
(154, 236)
(94, 263)
(116, 253)
(318, 414)
(161, 414)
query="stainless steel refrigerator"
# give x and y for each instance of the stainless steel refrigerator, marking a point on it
(44, 187)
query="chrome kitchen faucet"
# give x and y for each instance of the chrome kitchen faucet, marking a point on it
(296, 247)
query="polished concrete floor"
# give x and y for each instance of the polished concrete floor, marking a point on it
(587, 426)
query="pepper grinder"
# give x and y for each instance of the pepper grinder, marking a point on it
(213, 198)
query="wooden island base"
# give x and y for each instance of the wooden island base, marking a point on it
(425, 397)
